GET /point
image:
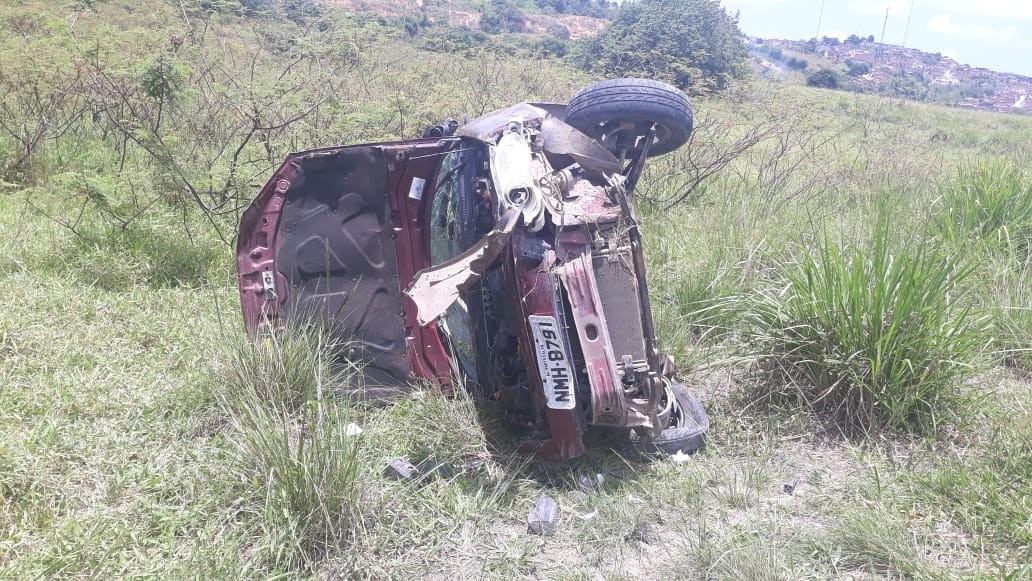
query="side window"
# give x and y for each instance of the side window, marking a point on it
(444, 224)
(447, 240)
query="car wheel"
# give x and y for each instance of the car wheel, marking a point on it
(620, 112)
(686, 425)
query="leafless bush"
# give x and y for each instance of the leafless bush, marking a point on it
(37, 104)
(212, 131)
(783, 147)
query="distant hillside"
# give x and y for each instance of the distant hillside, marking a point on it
(464, 14)
(872, 67)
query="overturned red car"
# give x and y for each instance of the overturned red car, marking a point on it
(503, 255)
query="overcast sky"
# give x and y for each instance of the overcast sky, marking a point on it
(996, 34)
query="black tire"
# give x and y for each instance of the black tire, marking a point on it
(620, 112)
(686, 431)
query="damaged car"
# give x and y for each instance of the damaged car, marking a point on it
(502, 256)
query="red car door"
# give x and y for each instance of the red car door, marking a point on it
(332, 239)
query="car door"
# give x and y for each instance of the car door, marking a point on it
(332, 240)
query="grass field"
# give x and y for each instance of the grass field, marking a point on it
(141, 435)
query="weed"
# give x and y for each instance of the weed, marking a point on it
(876, 336)
(293, 439)
(1010, 302)
(991, 203)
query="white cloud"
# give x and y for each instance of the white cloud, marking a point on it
(944, 24)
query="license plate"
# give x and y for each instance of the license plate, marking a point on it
(553, 363)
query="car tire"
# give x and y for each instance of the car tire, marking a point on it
(619, 113)
(685, 432)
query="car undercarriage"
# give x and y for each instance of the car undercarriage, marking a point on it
(503, 255)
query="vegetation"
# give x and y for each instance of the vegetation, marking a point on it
(692, 44)
(824, 78)
(593, 8)
(502, 16)
(878, 336)
(142, 435)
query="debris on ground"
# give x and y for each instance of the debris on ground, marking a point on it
(790, 486)
(680, 457)
(401, 469)
(352, 429)
(589, 483)
(443, 470)
(543, 517)
(640, 534)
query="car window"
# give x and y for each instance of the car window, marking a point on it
(446, 242)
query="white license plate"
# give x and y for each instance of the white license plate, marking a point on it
(553, 363)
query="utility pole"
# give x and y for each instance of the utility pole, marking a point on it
(885, 25)
(820, 18)
(906, 31)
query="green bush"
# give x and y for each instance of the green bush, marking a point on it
(875, 336)
(693, 44)
(502, 16)
(826, 78)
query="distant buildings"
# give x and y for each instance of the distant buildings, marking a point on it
(911, 73)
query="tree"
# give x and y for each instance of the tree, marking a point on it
(558, 31)
(502, 16)
(594, 8)
(693, 44)
(797, 64)
(826, 78)
(858, 69)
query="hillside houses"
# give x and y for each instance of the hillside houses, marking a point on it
(911, 73)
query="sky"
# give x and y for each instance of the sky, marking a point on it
(995, 34)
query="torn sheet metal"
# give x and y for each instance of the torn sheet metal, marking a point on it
(434, 289)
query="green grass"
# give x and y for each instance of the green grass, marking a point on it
(878, 337)
(291, 434)
(989, 203)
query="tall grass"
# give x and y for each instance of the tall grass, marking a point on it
(990, 203)
(1010, 302)
(876, 336)
(292, 440)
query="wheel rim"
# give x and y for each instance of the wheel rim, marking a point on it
(671, 414)
(626, 135)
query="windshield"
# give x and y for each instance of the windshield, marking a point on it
(453, 207)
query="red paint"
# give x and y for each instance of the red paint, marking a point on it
(535, 289)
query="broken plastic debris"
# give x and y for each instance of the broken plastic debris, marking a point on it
(401, 469)
(680, 457)
(543, 517)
